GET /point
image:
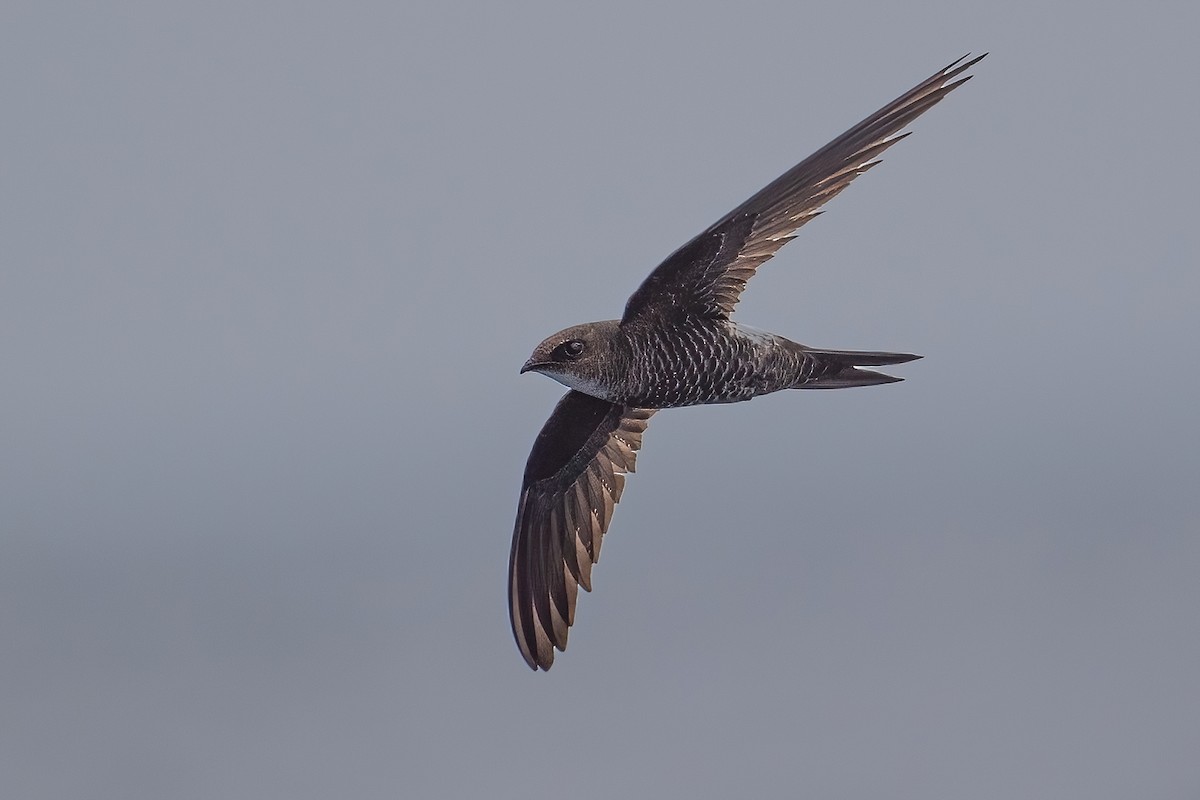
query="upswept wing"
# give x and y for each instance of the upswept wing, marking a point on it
(573, 479)
(706, 276)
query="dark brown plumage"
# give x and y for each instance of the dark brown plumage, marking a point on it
(675, 345)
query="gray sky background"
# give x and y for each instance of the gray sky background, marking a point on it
(269, 271)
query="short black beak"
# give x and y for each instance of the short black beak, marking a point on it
(528, 366)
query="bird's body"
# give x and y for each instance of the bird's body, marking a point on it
(696, 362)
(675, 346)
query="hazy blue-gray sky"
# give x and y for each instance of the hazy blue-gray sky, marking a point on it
(268, 271)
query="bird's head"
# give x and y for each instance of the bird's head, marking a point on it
(582, 357)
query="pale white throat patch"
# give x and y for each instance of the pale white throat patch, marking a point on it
(588, 386)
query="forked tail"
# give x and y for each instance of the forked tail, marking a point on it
(838, 369)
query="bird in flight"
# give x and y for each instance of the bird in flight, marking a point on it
(674, 346)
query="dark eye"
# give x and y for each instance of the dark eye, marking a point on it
(569, 350)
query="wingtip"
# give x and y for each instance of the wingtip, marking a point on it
(958, 67)
(959, 64)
